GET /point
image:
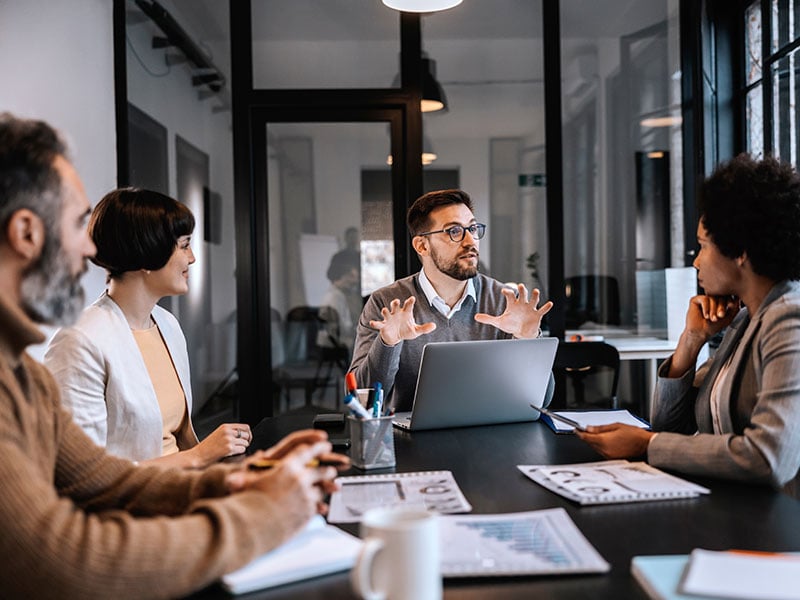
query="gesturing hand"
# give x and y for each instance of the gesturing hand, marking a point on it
(522, 317)
(398, 323)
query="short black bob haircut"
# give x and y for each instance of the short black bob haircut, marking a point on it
(137, 229)
(417, 218)
(753, 207)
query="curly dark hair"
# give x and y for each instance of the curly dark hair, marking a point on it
(417, 217)
(753, 207)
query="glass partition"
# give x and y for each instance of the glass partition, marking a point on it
(183, 147)
(330, 245)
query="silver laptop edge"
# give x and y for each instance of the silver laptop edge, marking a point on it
(480, 383)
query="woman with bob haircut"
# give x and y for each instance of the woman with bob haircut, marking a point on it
(123, 368)
(738, 416)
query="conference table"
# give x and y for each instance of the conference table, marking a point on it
(484, 462)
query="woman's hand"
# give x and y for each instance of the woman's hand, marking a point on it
(228, 439)
(707, 316)
(617, 440)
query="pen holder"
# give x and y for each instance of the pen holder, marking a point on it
(371, 442)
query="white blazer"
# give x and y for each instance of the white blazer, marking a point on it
(105, 384)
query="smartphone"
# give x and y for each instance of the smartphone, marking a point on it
(339, 444)
(328, 421)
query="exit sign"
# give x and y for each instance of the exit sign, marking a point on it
(533, 180)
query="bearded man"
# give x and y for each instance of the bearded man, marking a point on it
(448, 300)
(76, 522)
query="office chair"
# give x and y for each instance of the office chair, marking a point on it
(305, 358)
(581, 359)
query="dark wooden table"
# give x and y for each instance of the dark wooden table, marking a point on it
(483, 461)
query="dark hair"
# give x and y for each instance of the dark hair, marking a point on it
(418, 220)
(753, 207)
(28, 176)
(137, 229)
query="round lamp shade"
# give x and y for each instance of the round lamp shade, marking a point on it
(419, 6)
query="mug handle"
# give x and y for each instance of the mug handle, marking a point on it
(361, 575)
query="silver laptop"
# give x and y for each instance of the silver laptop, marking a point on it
(479, 383)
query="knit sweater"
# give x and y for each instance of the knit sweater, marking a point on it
(76, 522)
(396, 367)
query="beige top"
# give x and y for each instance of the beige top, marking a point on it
(166, 384)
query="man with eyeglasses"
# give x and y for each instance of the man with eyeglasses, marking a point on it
(448, 300)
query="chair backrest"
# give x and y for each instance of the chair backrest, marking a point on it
(581, 358)
(303, 325)
(592, 298)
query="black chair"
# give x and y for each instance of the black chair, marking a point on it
(592, 298)
(307, 364)
(579, 360)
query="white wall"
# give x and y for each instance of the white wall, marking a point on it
(57, 62)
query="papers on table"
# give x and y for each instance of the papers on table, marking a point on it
(319, 549)
(762, 576)
(436, 491)
(611, 481)
(707, 574)
(543, 542)
(593, 417)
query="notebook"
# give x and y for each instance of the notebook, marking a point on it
(319, 549)
(480, 383)
(611, 481)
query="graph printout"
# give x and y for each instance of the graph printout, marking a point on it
(529, 543)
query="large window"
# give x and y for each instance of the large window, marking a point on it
(771, 82)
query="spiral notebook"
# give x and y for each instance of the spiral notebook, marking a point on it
(611, 481)
(436, 491)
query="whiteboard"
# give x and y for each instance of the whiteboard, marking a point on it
(316, 251)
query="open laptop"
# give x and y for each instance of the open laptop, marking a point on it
(479, 383)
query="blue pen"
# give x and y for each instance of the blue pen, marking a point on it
(377, 403)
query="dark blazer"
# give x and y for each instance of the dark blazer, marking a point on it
(759, 441)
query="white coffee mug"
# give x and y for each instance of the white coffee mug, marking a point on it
(400, 556)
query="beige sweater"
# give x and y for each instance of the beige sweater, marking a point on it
(78, 523)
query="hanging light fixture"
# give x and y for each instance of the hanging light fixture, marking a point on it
(433, 97)
(428, 153)
(420, 6)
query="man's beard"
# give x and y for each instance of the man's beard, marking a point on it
(453, 268)
(50, 293)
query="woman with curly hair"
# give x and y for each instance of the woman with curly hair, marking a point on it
(738, 416)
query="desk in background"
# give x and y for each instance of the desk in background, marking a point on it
(483, 461)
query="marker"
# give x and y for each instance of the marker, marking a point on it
(351, 402)
(350, 383)
(558, 417)
(377, 403)
(270, 463)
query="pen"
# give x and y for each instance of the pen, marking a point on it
(269, 463)
(558, 417)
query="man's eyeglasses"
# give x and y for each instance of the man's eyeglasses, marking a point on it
(457, 232)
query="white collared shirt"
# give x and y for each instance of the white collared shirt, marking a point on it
(437, 302)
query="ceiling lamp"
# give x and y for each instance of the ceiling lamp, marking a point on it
(428, 153)
(421, 6)
(433, 97)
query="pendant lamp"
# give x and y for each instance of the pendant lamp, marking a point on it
(421, 6)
